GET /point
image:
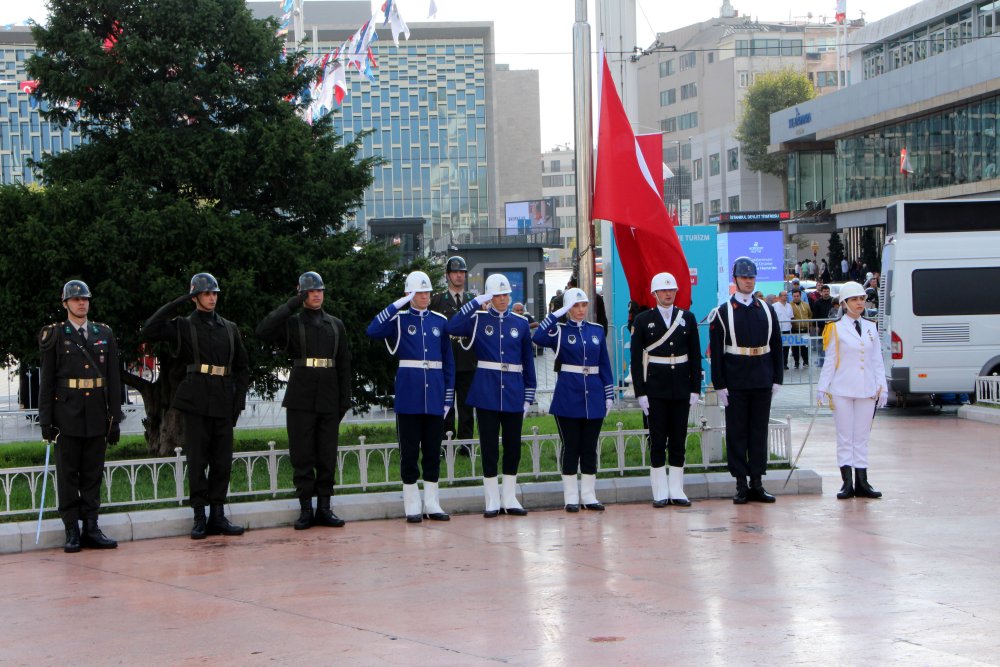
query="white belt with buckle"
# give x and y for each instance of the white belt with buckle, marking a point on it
(414, 363)
(585, 370)
(497, 366)
(748, 351)
(679, 359)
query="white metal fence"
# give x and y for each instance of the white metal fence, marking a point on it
(988, 390)
(162, 480)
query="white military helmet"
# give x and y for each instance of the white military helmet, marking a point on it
(847, 290)
(573, 296)
(662, 281)
(418, 281)
(498, 284)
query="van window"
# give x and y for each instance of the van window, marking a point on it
(965, 291)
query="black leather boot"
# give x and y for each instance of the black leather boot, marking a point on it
(862, 489)
(218, 524)
(847, 490)
(757, 492)
(305, 519)
(325, 516)
(742, 493)
(198, 531)
(93, 538)
(72, 537)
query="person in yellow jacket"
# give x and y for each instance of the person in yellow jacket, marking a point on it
(853, 382)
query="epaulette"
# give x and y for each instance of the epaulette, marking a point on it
(441, 315)
(519, 315)
(47, 336)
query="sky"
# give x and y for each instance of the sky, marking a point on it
(537, 34)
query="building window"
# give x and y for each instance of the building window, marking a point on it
(715, 207)
(687, 121)
(552, 181)
(667, 67)
(556, 165)
(686, 151)
(824, 79)
(742, 47)
(699, 213)
(569, 179)
(744, 79)
(734, 204)
(696, 169)
(688, 60)
(689, 90)
(668, 125)
(713, 164)
(711, 57)
(732, 159)
(668, 97)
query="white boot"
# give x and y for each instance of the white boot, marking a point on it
(509, 502)
(571, 493)
(432, 508)
(411, 503)
(491, 494)
(588, 495)
(661, 488)
(677, 496)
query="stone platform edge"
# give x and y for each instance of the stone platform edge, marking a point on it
(173, 522)
(979, 414)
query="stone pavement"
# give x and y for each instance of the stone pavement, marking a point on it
(910, 579)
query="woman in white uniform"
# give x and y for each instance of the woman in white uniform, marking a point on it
(853, 382)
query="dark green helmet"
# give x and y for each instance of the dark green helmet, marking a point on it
(455, 263)
(310, 280)
(75, 288)
(744, 267)
(203, 282)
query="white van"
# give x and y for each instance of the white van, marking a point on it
(939, 295)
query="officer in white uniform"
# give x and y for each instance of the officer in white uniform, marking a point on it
(502, 388)
(853, 382)
(425, 390)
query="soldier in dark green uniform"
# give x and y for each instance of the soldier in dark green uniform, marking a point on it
(211, 396)
(318, 394)
(79, 408)
(448, 303)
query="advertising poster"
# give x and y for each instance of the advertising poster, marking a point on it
(522, 217)
(765, 248)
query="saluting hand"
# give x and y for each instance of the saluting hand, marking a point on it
(402, 301)
(483, 298)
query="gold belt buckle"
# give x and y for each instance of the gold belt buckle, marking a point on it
(85, 384)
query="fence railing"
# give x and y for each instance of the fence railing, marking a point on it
(361, 467)
(988, 389)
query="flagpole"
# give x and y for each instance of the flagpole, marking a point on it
(584, 142)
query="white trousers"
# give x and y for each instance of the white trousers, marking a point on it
(853, 419)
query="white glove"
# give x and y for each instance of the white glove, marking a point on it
(526, 406)
(402, 301)
(444, 415)
(823, 397)
(483, 298)
(608, 404)
(644, 404)
(723, 395)
(775, 388)
(883, 398)
(565, 309)
(694, 399)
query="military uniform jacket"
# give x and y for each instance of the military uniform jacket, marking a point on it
(218, 344)
(579, 346)
(425, 379)
(499, 339)
(445, 303)
(750, 325)
(80, 412)
(853, 367)
(674, 381)
(312, 334)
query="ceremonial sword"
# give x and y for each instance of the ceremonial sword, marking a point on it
(802, 446)
(45, 481)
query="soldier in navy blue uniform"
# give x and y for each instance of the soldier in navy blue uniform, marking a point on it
(318, 394)
(449, 302)
(583, 395)
(79, 408)
(747, 370)
(666, 374)
(502, 389)
(425, 390)
(211, 395)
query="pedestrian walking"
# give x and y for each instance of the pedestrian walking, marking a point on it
(583, 396)
(79, 409)
(801, 314)
(318, 394)
(785, 313)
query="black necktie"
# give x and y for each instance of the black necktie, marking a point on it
(857, 326)
(458, 299)
(82, 332)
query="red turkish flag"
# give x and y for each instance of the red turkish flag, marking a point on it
(626, 193)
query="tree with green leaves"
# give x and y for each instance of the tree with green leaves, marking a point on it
(871, 253)
(195, 158)
(835, 252)
(770, 92)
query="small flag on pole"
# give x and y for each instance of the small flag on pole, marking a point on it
(904, 162)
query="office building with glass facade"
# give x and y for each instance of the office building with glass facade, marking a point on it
(926, 83)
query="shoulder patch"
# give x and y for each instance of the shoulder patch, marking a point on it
(47, 336)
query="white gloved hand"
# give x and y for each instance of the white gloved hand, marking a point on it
(723, 396)
(694, 399)
(526, 406)
(775, 388)
(483, 298)
(823, 397)
(562, 311)
(883, 398)
(402, 301)
(608, 404)
(644, 404)
(444, 415)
